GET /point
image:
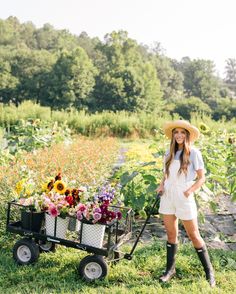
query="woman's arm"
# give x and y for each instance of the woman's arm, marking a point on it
(200, 181)
(160, 189)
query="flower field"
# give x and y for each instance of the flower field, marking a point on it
(86, 161)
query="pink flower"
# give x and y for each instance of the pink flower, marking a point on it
(53, 211)
(22, 201)
(97, 210)
(82, 207)
(79, 215)
(46, 201)
(97, 216)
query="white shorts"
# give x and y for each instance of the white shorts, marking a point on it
(174, 202)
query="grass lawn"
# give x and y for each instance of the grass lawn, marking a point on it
(57, 272)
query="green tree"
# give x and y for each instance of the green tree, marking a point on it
(125, 81)
(50, 39)
(171, 80)
(30, 67)
(184, 107)
(225, 107)
(89, 45)
(9, 31)
(71, 80)
(8, 82)
(230, 71)
(199, 78)
(46, 37)
(27, 35)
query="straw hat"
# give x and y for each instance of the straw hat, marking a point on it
(171, 125)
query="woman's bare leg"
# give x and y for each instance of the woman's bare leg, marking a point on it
(191, 227)
(171, 226)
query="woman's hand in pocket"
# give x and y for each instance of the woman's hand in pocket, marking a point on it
(160, 189)
(187, 193)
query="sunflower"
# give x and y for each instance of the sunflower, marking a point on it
(60, 187)
(231, 140)
(44, 187)
(28, 192)
(20, 186)
(47, 186)
(204, 128)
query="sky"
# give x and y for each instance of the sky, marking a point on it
(195, 28)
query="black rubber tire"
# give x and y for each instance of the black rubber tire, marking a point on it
(93, 267)
(46, 246)
(25, 251)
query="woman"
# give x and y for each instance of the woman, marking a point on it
(182, 165)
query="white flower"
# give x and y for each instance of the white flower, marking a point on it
(83, 188)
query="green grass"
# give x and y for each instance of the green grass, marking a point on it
(57, 272)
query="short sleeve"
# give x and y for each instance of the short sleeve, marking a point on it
(197, 159)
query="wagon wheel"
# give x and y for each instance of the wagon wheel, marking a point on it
(25, 251)
(115, 257)
(46, 246)
(113, 254)
(92, 267)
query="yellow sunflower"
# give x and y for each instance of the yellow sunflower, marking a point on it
(20, 186)
(204, 129)
(60, 187)
(47, 186)
(231, 140)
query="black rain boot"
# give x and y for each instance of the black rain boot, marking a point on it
(170, 262)
(205, 260)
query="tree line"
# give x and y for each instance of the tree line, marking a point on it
(58, 69)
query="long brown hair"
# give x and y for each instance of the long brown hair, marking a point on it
(184, 156)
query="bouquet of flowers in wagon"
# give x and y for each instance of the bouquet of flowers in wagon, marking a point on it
(97, 211)
(62, 205)
(54, 200)
(96, 214)
(59, 201)
(53, 196)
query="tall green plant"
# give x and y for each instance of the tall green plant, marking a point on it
(33, 134)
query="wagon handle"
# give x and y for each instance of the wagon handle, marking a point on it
(129, 255)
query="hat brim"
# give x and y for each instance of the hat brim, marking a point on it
(170, 126)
